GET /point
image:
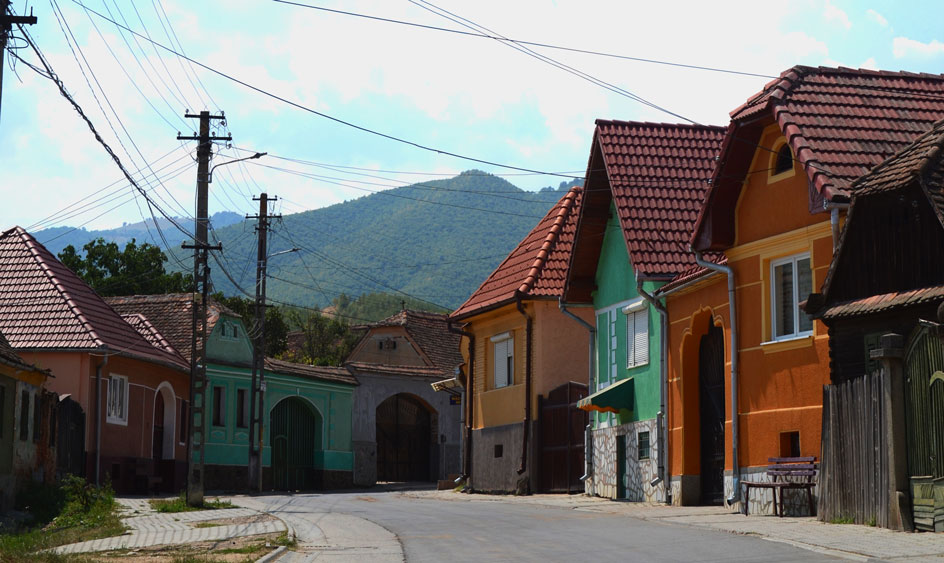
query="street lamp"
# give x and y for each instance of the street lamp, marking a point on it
(210, 175)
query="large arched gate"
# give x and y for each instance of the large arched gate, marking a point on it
(404, 431)
(295, 429)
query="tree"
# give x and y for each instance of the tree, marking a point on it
(276, 329)
(136, 270)
(324, 341)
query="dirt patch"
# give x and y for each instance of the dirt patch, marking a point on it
(234, 550)
(234, 521)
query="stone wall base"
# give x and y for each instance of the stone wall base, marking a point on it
(637, 474)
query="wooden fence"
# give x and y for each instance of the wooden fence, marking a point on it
(853, 478)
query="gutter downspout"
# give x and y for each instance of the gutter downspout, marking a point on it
(588, 436)
(469, 389)
(523, 465)
(98, 419)
(662, 476)
(729, 272)
(834, 208)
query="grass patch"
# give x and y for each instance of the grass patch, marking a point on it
(179, 504)
(246, 549)
(843, 520)
(72, 512)
(205, 525)
(283, 539)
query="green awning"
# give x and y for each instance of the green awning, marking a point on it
(614, 398)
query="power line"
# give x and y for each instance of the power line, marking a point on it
(523, 42)
(329, 117)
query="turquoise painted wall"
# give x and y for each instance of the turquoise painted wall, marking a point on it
(229, 445)
(616, 285)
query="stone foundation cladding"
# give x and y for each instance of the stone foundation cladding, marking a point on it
(639, 473)
(762, 500)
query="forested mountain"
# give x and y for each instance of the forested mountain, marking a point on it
(436, 241)
(57, 238)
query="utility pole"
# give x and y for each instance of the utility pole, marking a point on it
(257, 401)
(6, 25)
(201, 276)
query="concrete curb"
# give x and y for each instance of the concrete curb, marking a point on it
(272, 555)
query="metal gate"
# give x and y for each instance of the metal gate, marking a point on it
(562, 427)
(295, 429)
(711, 410)
(70, 439)
(403, 439)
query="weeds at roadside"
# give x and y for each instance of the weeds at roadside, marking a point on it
(179, 504)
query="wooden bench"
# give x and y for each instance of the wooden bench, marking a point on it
(785, 473)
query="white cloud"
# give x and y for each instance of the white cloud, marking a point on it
(869, 63)
(904, 47)
(876, 17)
(832, 14)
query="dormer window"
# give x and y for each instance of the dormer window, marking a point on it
(783, 161)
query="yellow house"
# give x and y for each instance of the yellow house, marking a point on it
(526, 357)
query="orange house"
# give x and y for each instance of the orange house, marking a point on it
(765, 237)
(521, 350)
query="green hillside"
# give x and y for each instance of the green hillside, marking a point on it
(436, 241)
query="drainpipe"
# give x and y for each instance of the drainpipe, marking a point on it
(469, 390)
(662, 477)
(834, 208)
(523, 466)
(729, 272)
(588, 435)
(98, 419)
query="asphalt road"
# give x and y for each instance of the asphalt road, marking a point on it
(430, 529)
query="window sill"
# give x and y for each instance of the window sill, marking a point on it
(787, 344)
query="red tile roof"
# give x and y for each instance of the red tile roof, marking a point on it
(9, 357)
(431, 333)
(537, 267)
(321, 373)
(692, 273)
(883, 303)
(45, 306)
(839, 123)
(149, 332)
(363, 368)
(170, 314)
(658, 174)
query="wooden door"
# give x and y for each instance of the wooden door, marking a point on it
(563, 431)
(711, 412)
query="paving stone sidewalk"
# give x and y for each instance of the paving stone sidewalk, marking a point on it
(848, 541)
(149, 528)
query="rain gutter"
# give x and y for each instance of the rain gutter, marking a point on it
(663, 378)
(588, 436)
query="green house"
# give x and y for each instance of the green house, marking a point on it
(645, 183)
(307, 409)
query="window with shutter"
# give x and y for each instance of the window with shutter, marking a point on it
(117, 401)
(637, 338)
(504, 360)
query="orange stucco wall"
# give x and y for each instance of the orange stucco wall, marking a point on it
(560, 354)
(74, 374)
(780, 383)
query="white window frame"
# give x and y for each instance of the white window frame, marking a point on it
(503, 347)
(637, 333)
(116, 411)
(775, 308)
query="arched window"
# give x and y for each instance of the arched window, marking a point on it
(784, 162)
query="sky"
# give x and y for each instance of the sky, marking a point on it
(470, 96)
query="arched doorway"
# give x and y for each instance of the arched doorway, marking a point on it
(164, 427)
(711, 413)
(404, 439)
(295, 429)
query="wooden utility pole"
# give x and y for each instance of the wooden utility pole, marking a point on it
(6, 25)
(257, 401)
(201, 276)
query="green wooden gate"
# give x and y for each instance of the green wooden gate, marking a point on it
(295, 429)
(924, 419)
